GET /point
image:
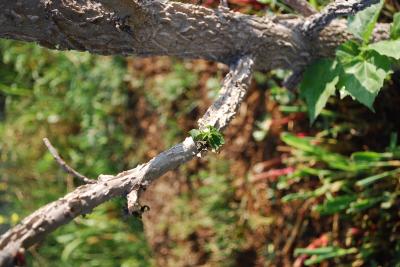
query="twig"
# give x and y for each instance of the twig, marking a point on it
(339, 8)
(297, 226)
(64, 165)
(301, 6)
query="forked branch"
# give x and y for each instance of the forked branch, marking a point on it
(339, 8)
(86, 197)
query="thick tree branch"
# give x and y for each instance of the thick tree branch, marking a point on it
(150, 28)
(86, 197)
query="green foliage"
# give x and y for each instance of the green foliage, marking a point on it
(322, 254)
(359, 69)
(211, 208)
(387, 48)
(209, 137)
(78, 101)
(395, 29)
(361, 75)
(318, 85)
(352, 187)
(363, 23)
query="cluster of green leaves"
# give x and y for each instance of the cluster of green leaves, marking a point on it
(359, 69)
(352, 187)
(210, 137)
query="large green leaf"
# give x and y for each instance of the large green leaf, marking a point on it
(362, 80)
(389, 48)
(318, 85)
(395, 29)
(363, 23)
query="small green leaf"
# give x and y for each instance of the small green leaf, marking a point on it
(395, 29)
(374, 178)
(313, 251)
(13, 90)
(194, 133)
(335, 205)
(363, 23)
(369, 156)
(318, 85)
(363, 81)
(363, 204)
(348, 52)
(323, 253)
(380, 61)
(390, 48)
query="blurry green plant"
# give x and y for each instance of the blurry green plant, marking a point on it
(78, 101)
(211, 208)
(322, 254)
(352, 186)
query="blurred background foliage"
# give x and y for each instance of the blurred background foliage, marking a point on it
(280, 193)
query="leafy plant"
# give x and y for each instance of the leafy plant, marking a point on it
(209, 137)
(359, 68)
(358, 188)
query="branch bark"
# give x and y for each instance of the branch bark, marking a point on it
(152, 28)
(86, 197)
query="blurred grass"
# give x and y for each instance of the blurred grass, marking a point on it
(78, 101)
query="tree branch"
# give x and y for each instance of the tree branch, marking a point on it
(333, 11)
(64, 165)
(86, 197)
(154, 28)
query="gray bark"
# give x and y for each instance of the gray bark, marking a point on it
(151, 28)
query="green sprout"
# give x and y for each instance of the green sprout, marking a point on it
(209, 137)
